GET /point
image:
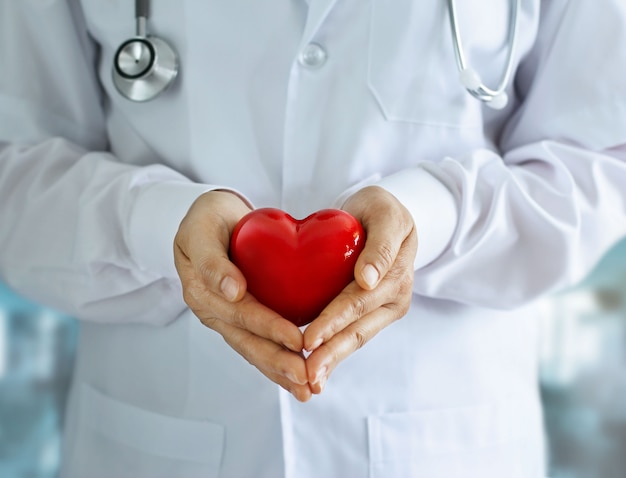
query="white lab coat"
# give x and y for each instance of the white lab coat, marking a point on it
(509, 205)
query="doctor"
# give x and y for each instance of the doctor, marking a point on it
(476, 203)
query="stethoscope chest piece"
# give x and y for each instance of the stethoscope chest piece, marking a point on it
(144, 67)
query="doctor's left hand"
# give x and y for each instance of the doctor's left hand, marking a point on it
(215, 290)
(381, 292)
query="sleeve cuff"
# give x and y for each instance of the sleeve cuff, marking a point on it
(157, 212)
(432, 206)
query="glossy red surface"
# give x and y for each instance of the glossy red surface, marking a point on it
(297, 267)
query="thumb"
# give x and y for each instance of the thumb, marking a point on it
(206, 261)
(377, 257)
(387, 224)
(221, 276)
(201, 252)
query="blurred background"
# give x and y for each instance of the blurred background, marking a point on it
(583, 379)
(36, 358)
(583, 374)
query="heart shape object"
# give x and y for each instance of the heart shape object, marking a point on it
(297, 267)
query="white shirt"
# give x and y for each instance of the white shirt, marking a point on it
(295, 104)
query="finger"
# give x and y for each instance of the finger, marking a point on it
(355, 302)
(387, 223)
(203, 239)
(220, 275)
(251, 315)
(349, 306)
(385, 237)
(209, 260)
(282, 366)
(248, 314)
(245, 312)
(325, 359)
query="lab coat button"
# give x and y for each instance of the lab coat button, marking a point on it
(312, 56)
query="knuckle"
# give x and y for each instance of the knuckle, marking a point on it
(333, 355)
(210, 322)
(400, 301)
(197, 298)
(238, 317)
(404, 308)
(401, 307)
(360, 338)
(386, 255)
(334, 324)
(192, 295)
(189, 297)
(246, 347)
(358, 306)
(353, 307)
(277, 364)
(401, 217)
(406, 294)
(207, 271)
(406, 221)
(406, 284)
(402, 278)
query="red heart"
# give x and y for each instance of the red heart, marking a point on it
(297, 267)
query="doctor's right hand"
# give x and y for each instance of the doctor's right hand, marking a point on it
(215, 290)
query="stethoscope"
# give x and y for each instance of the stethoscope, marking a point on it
(144, 66)
(470, 79)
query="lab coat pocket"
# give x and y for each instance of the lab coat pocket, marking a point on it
(473, 442)
(412, 70)
(115, 439)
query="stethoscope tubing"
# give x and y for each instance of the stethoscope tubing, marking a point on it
(481, 91)
(144, 66)
(158, 77)
(142, 12)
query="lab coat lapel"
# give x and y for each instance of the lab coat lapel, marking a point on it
(318, 11)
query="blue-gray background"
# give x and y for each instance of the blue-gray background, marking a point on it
(583, 379)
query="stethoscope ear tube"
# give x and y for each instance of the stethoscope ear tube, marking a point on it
(143, 66)
(469, 78)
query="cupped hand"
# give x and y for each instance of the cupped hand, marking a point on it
(380, 293)
(215, 290)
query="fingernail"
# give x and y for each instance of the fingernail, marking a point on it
(322, 383)
(293, 378)
(370, 275)
(315, 345)
(229, 288)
